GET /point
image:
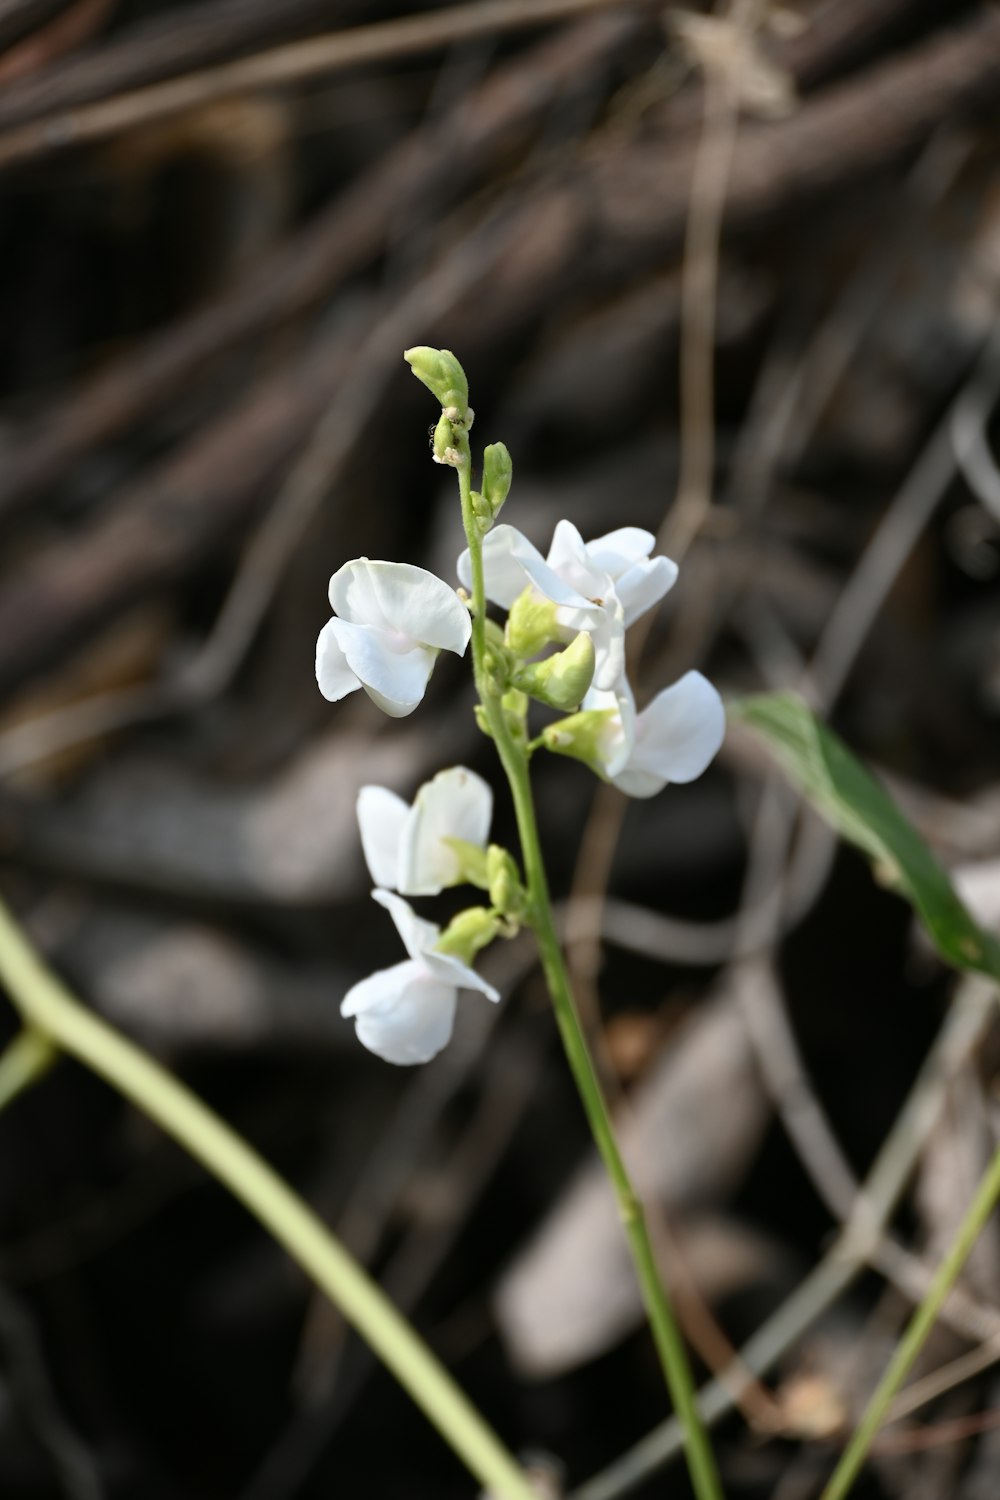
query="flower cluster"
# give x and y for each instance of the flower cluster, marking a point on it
(406, 1013)
(563, 645)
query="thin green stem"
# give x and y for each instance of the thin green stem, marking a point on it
(923, 1320)
(513, 757)
(51, 1012)
(24, 1062)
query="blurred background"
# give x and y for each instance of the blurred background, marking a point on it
(732, 275)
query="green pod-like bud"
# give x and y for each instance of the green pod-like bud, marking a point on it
(583, 736)
(497, 471)
(468, 933)
(442, 374)
(561, 680)
(531, 624)
(507, 893)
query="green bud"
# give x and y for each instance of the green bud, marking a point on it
(531, 624)
(482, 719)
(515, 710)
(582, 736)
(507, 893)
(497, 470)
(443, 376)
(472, 863)
(561, 680)
(467, 933)
(481, 511)
(445, 449)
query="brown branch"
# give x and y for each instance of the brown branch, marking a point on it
(19, 18)
(496, 120)
(159, 48)
(315, 57)
(843, 136)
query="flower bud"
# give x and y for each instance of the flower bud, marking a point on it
(507, 894)
(444, 449)
(443, 376)
(531, 624)
(497, 470)
(482, 512)
(584, 736)
(467, 933)
(561, 680)
(515, 711)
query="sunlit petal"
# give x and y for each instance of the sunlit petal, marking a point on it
(456, 804)
(404, 1014)
(333, 673)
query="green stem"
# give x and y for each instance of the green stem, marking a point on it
(25, 1061)
(513, 758)
(51, 1012)
(923, 1320)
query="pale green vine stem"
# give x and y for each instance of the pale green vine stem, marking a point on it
(24, 1062)
(923, 1320)
(55, 1020)
(670, 1346)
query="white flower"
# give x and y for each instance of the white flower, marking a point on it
(405, 847)
(406, 1014)
(393, 620)
(601, 586)
(673, 739)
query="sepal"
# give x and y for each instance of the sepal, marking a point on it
(561, 680)
(532, 624)
(469, 932)
(582, 736)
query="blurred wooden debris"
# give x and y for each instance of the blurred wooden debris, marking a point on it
(572, 1293)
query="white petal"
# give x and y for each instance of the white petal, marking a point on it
(609, 643)
(676, 737)
(333, 674)
(394, 679)
(352, 594)
(510, 563)
(399, 597)
(570, 557)
(449, 969)
(418, 936)
(381, 816)
(644, 585)
(457, 804)
(617, 551)
(402, 1014)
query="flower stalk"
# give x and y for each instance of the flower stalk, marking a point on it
(514, 760)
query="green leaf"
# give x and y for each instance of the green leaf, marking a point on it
(854, 803)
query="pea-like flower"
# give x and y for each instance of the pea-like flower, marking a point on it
(602, 586)
(673, 739)
(406, 1014)
(391, 621)
(409, 849)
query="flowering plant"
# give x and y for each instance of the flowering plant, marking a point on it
(562, 645)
